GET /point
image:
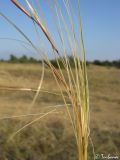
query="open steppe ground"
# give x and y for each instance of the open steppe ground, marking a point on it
(52, 138)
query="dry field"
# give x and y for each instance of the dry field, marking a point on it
(51, 138)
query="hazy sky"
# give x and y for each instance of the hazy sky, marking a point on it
(101, 27)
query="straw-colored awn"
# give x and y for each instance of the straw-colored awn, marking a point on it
(76, 85)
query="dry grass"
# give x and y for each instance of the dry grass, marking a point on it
(105, 119)
(72, 84)
(76, 84)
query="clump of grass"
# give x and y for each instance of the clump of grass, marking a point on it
(76, 84)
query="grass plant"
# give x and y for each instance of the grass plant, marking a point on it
(75, 82)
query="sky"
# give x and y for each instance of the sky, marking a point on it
(101, 29)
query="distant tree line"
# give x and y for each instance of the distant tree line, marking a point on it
(22, 59)
(114, 63)
(58, 62)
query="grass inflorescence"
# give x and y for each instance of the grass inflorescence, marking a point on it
(73, 85)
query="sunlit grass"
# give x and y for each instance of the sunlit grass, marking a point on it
(76, 84)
